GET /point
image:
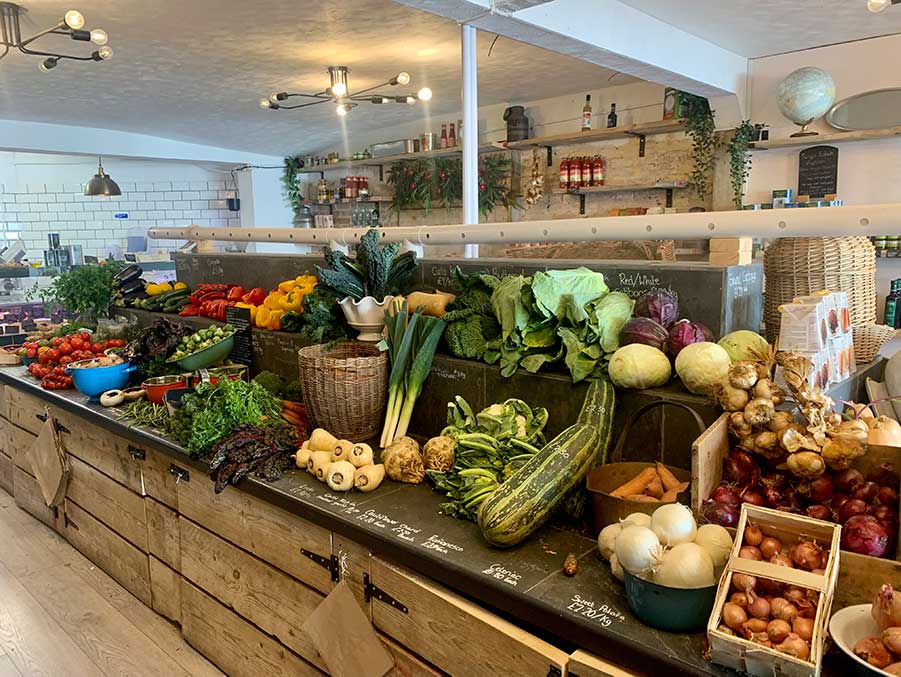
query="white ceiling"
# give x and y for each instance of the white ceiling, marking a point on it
(195, 70)
(754, 28)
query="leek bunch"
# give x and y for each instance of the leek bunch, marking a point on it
(411, 345)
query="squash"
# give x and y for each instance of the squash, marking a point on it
(432, 304)
(529, 497)
(885, 431)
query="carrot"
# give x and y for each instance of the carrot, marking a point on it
(654, 488)
(671, 495)
(640, 497)
(669, 480)
(637, 484)
(299, 407)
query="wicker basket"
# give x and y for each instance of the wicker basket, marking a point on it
(345, 389)
(868, 339)
(799, 266)
(646, 250)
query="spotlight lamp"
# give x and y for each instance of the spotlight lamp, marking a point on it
(71, 25)
(338, 92)
(876, 6)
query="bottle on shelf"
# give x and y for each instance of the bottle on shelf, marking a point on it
(586, 114)
(586, 172)
(564, 173)
(443, 143)
(451, 137)
(322, 191)
(597, 171)
(611, 118)
(575, 174)
(892, 305)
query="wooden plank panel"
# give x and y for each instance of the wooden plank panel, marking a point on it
(584, 664)
(29, 497)
(262, 594)
(6, 473)
(20, 442)
(165, 588)
(33, 640)
(4, 401)
(270, 533)
(232, 643)
(353, 562)
(158, 481)
(7, 667)
(405, 663)
(113, 504)
(24, 410)
(101, 449)
(454, 634)
(162, 533)
(108, 550)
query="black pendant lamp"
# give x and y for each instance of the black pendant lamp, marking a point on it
(101, 185)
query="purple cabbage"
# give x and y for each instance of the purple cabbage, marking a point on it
(660, 306)
(644, 330)
(684, 333)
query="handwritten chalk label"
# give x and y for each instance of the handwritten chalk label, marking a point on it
(501, 573)
(405, 532)
(303, 490)
(448, 374)
(744, 283)
(340, 503)
(601, 613)
(636, 284)
(377, 519)
(435, 542)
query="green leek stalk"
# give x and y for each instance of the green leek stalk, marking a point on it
(400, 339)
(419, 370)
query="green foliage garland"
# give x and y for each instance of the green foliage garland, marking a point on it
(700, 127)
(740, 159)
(292, 165)
(438, 182)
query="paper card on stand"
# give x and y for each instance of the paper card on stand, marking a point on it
(344, 637)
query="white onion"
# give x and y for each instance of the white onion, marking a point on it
(637, 519)
(674, 524)
(616, 568)
(637, 549)
(716, 541)
(607, 539)
(687, 565)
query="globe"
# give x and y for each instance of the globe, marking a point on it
(805, 95)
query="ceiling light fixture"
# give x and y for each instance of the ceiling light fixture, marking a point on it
(72, 24)
(102, 185)
(338, 92)
(877, 6)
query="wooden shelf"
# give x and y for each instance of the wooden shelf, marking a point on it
(348, 201)
(819, 139)
(642, 129)
(387, 159)
(663, 185)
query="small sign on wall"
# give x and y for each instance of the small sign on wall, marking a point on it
(121, 215)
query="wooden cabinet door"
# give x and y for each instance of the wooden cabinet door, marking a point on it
(26, 411)
(6, 460)
(165, 590)
(159, 481)
(585, 664)
(20, 442)
(30, 498)
(454, 634)
(163, 540)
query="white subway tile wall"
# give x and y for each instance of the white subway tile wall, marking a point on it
(38, 209)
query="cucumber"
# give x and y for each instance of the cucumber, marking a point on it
(528, 498)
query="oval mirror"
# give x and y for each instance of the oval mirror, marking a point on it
(869, 110)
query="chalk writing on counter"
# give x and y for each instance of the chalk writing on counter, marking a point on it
(636, 284)
(603, 614)
(209, 266)
(342, 504)
(435, 542)
(744, 283)
(303, 490)
(501, 573)
(405, 532)
(376, 519)
(448, 374)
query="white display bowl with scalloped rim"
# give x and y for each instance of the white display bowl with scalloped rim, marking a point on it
(850, 625)
(367, 316)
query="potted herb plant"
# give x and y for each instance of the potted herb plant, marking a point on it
(85, 291)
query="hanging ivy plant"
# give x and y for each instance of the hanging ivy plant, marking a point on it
(740, 159)
(292, 188)
(438, 182)
(700, 127)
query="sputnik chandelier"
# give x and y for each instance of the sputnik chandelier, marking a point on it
(338, 93)
(72, 24)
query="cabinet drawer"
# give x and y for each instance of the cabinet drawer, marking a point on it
(109, 551)
(165, 589)
(454, 634)
(270, 533)
(30, 498)
(6, 473)
(405, 663)
(110, 454)
(24, 410)
(232, 643)
(159, 482)
(264, 595)
(584, 664)
(116, 506)
(163, 540)
(20, 442)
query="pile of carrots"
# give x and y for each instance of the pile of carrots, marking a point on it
(295, 413)
(653, 484)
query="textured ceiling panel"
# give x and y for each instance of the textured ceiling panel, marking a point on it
(194, 70)
(755, 28)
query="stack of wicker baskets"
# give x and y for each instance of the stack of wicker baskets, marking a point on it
(799, 266)
(648, 250)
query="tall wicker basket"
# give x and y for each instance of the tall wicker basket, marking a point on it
(345, 388)
(797, 266)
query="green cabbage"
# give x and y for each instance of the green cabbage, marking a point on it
(639, 366)
(744, 345)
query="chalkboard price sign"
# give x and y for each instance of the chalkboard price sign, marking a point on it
(818, 171)
(239, 318)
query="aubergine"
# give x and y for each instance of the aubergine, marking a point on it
(131, 287)
(128, 274)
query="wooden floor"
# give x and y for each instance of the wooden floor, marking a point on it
(60, 615)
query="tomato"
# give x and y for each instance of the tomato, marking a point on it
(77, 343)
(85, 337)
(53, 355)
(31, 352)
(66, 359)
(56, 342)
(43, 358)
(66, 349)
(86, 354)
(120, 343)
(97, 348)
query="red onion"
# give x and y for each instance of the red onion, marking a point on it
(888, 496)
(886, 516)
(770, 546)
(725, 495)
(720, 513)
(750, 552)
(884, 475)
(806, 555)
(846, 480)
(838, 500)
(739, 467)
(773, 495)
(851, 507)
(770, 588)
(865, 491)
(751, 495)
(821, 489)
(758, 606)
(824, 559)
(819, 512)
(865, 535)
(790, 499)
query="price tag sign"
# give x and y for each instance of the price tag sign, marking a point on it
(239, 318)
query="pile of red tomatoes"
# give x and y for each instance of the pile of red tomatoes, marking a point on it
(53, 356)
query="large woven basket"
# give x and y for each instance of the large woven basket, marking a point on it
(345, 389)
(868, 339)
(799, 266)
(646, 250)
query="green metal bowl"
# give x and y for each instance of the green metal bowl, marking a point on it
(670, 609)
(208, 356)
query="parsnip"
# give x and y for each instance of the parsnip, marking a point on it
(302, 457)
(361, 455)
(340, 476)
(341, 451)
(318, 462)
(322, 440)
(369, 477)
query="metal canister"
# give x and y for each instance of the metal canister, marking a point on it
(517, 123)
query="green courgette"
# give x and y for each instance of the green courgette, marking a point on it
(528, 498)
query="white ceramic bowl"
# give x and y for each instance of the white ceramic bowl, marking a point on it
(850, 625)
(367, 316)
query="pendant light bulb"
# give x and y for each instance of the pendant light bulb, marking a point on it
(265, 103)
(74, 19)
(411, 100)
(338, 77)
(48, 64)
(424, 94)
(102, 185)
(343, 109)
(102, 54)
(339, 89)
(99, 36)
(402, 78)
(877, 6)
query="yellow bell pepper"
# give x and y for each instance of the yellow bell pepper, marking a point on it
(252, 308)
(273, 300)
(165, 287)
(180, 285)
(306, 280)
(293, 301)
(153, 289)
(287, 285)
(274, 321)
(262, 316)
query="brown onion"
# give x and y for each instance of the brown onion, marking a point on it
(782, 561)
(873, 652)
(750, 552)
(795, 594)
(753, 626)
(753, 535)
(794, 646)
(806, 555)
(783, 610)
(743, 582)
(894, 669)
(734, 616)
(760, 638)
(758, 607)
(803, 628)
(770, 546)
(891, 637)
(739, 598)
(778, 630)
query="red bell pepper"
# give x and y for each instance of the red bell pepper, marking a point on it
(255, 296)
(189, 310)
(236, 293)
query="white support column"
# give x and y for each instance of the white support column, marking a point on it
(470, 134)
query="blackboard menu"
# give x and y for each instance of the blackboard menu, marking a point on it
(239, 318)
(818, 171)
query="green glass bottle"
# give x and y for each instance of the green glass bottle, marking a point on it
(892, 303)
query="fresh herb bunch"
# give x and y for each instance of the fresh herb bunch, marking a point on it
(701, 128)
(740, 159)
(84, 289)
(378, 270)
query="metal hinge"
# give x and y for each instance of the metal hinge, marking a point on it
(370, 591)
(330, 563)
(69, 523)
(555, 671)
(550, 156)
(137, 453)
(60, 428)
(180, 474)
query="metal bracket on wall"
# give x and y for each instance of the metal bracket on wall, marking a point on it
(581, 204)
(370, 591)
(330, 563)
(550, 156)
(641, 142)
(137, 453)
(180, 474)
(669, 197)
(381, 173)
